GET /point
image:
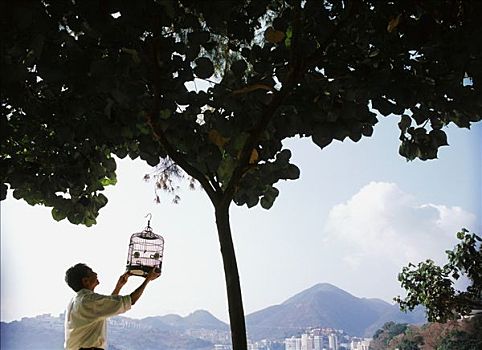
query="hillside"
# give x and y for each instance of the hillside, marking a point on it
(194, 332)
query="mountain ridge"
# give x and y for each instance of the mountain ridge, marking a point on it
(325, 305)
(322, 305)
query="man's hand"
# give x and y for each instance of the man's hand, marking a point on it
(152, 275)
(123, 278)
(121, 282)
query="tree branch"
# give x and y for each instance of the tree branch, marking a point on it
(177, 157)
(160, 136)
(270, 111)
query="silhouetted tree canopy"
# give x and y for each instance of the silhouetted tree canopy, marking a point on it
(215, 86)
(83, 81)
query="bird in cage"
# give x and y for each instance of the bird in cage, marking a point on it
(145, 252)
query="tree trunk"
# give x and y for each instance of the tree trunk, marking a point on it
(233, 287)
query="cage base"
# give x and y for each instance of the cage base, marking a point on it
(141, 270)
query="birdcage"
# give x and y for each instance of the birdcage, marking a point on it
(145, 252)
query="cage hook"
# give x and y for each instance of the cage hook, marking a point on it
(149, 220)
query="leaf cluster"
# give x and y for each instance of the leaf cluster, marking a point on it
(384, 335)
(432, 286)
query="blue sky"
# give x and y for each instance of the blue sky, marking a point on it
(358, 213)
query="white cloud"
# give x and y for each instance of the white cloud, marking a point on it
(382, 223)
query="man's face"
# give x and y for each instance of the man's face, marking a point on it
(90, 281)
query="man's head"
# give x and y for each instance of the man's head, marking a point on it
(81, 276)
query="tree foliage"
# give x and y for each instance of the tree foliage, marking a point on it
(384, 336)
(462, 339)
(79, 86)
(433, 287)
(215, 87)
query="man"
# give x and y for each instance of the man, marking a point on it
(87, 313)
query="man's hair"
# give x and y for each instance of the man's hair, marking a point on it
(74, 275)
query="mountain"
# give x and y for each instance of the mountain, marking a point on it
(204, 319)
(325, 305)
(199, 319)
(38, 333)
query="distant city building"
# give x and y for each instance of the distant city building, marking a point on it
(360, 344)
(222, 347)
(264, 344)
(318, 342)
(333, 342)
(306, 342)
(290, 343)
(322, 339)
(298, 343)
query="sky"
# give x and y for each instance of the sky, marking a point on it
(358, 213)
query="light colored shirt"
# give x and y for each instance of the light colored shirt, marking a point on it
(86, 318)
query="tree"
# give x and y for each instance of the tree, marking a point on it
(461, 334)
(83, 82)
(461, 340)
(384, 336)
(432, 286)
(409, 344)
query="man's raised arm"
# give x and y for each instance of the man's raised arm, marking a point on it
(135, 295)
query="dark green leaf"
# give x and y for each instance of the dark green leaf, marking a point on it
(269, 197)
(283, 156)
(3, 191)
(405, 122)
(239, 67)
(292, 172)
(58, 214)
(439, 138)
(199, 37)
(204, 68)
(110, 164)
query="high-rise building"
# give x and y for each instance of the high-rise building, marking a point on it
(360, 344)
(298, 343)
(306, 342)
(318, 342)
(290, 343)
(333, 342)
